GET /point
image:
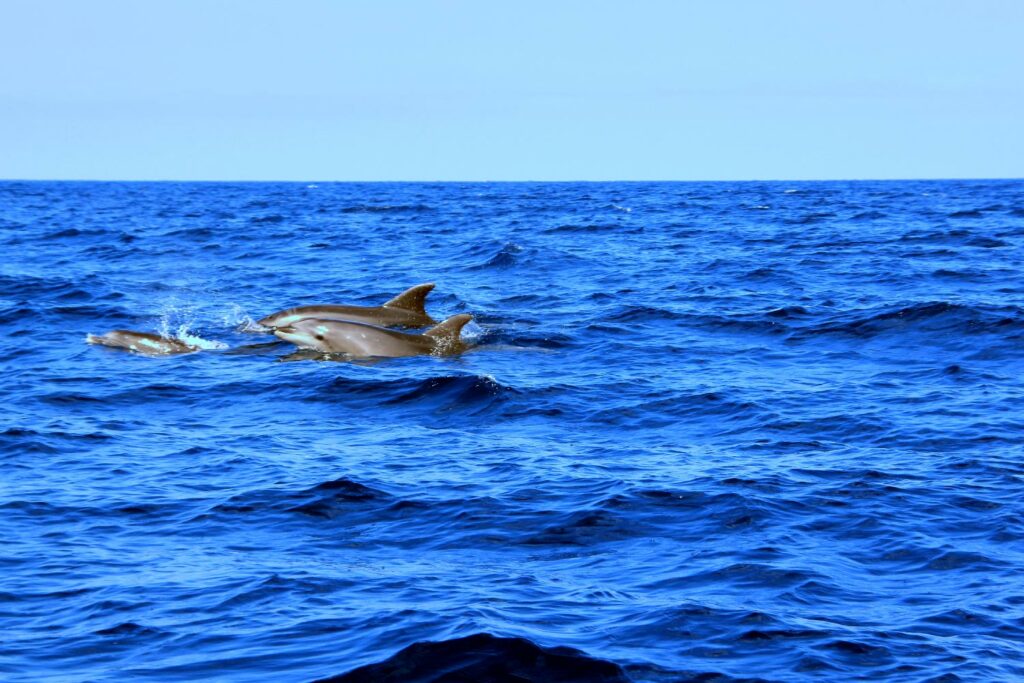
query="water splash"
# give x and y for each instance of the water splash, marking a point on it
(472, 331)
(186, 335)
(238, 318)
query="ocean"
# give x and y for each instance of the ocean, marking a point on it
(707, 431)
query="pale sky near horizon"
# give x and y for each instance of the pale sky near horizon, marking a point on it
(555, 90)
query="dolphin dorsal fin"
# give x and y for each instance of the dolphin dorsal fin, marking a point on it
(412, 299)
(450, 328)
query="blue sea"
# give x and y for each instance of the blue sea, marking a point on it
(707, 432)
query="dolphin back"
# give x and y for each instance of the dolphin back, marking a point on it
(447, 335)
(413, 299)
(141, 342)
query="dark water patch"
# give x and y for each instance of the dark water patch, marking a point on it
(68, 233)
(27, 287)
(509, 255)
(760, 274)
(152, 392)
(585, 527)
(444, 393)
(955, 274)
(326, 500)
(986, 243)
(47, 511)
(529, 339)
(858, 651)
(928, 235)
(388, 209)
(74, 295)
(865, 216)
(769, 635)
(484, 657)
(10, 314)
(130, 630)
(719, 513)
(70, 398)
(967, 213)
(332, 495)
(104, 313)
(455, 392)
(590, 228)
(200, 233)
(641, 314)
(810, 218)
(787, 312)
(954, 622)
(667, 411)
(270, 219)
(748, 576)
(952, 560)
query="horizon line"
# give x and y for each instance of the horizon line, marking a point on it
(451, 181)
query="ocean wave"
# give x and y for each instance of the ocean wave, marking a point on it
(325, 500)
(936, 316)
(663, 411)
(509, 255)
(485, 657)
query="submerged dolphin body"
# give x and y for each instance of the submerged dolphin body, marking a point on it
(405, 310)
(141, 342)
(360, 340)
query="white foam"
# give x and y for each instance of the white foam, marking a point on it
(174, 316)
(472, 331)
(196, 341)
(237, 317)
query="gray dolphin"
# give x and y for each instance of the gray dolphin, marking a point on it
(141, 342)
(405, 310)
(360, 340)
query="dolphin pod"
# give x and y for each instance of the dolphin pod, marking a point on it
(354, 331)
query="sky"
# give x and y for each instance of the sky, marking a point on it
(523, 90)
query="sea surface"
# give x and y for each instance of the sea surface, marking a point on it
(708, 431)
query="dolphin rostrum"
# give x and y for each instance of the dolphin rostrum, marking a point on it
(405, 310)
(360, 340)
(141, 342)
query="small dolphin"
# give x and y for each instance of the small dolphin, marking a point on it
(141, 342)
(405, 310)
(360, 340)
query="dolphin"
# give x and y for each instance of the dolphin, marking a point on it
(405, 310)
(141, 342)
(360, 340)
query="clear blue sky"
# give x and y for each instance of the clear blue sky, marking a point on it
(392, 90)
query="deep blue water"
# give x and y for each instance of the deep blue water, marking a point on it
(763, 430)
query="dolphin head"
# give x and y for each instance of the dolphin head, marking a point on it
(271, 320)
(309, 333)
